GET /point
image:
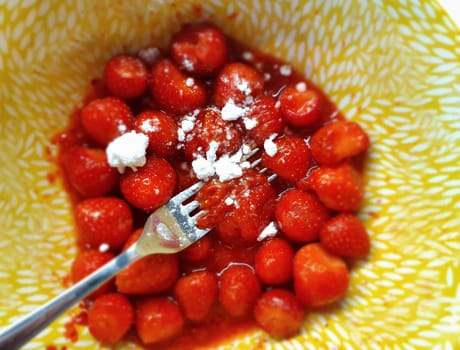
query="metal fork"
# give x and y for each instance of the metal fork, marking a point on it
(169, 229)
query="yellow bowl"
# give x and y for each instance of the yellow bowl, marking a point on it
(392, 66)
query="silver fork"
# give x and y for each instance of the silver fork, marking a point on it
(169, 229)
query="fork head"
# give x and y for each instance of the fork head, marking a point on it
(171, 228)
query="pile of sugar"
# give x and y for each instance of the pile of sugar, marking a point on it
(128, 150)
(226, 168)
(269, 146)
(269, 231)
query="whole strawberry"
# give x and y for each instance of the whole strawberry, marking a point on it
(173, 91)
(151, 186)
(103, 220)
(337, 141)
(339, 187)
(157, 319)
(291, 158)
(199, 49)
(126, 76)
(89, 172)
(196, 294)
(88, 261)
(320, 278)
(110, 317)
(105, 119)
(345, 235)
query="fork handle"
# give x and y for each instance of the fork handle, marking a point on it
(16, 335)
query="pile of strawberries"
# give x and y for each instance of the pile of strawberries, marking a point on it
(307, 213)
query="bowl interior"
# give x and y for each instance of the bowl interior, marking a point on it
(394, 68)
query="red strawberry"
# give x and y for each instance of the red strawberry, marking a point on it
(337, 141)
(300, 215)
(89, 172)
(161, 130)
(173, 91)
(186, 177)
(196, 294)
(152, 274)
(239, 290)
(345, 235)
(320, 278)
(292, 158)
(266, 118)
(209, 126)
(198, 251)
(237, 82)
(103, 220)
(157, 319)
(240, 208)
(279, 313)
(339, 187)
(199, 49)
(106, 118)
(126, 76)
(151, 186)
(88, 261)
(300, 107)
(273, 261)
(110, 317)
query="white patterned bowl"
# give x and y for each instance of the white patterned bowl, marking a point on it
(393, 66)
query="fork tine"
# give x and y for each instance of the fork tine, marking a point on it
(189, 207)
(256, 162)
(271, 177)
(186, 194)
(251, 153)
(193, 219)
(195, 216)
(201, 232)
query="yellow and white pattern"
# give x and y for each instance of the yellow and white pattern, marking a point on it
(393, 66)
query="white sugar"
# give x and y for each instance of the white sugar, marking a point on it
(149, 126)
(187, 125)
(249, 124)
(248, 56)
(212, 150)
(245, 165)
(122, 128)
(270, 147)
(189, 82)
(286, 70)
(226, 169)
(188, 65)
(149, 55)
(127, 150)
(245, 149)
(104, 247)
(248, 100)
(231, 111)
(203, 168)
(269, 231)
(180, 135)
(237, 156)
(301, 86)
(243, 86)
